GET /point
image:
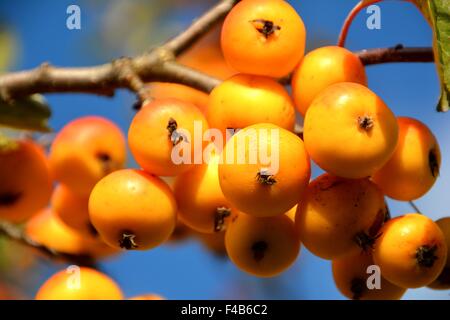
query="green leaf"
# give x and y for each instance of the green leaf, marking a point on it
(8, 47)
(30, 113)
(437, 13)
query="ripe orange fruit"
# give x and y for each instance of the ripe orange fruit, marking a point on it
(349, 131)
(47, 229)
(180, 233)
(72, 209)
(265, 170)
(264, 247)
(321, 68)
(25, 183)
(263, 37)
(443, 280)
(351, 276)
(214, 243)
(160, 127)
(131, 209)
(148, 296)
(201, 203)
(414, 167)
(340, 216)
(89, 284)
(86, 150)
(411, 251)
(264, 100)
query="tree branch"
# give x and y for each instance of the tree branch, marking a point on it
(396, 54)
(157, 65)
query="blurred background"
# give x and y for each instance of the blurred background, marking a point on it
(32, 32)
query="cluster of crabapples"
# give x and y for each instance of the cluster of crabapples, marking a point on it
(263, 217)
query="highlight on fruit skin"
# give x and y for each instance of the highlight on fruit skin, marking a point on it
(411, 251)
(25, 180)
(85, 150)
(349, 131)
(132, 210)
(414, 167)
(443, 280)
(265, 170)
(338, 216)
(79, 283)
(263, 247)
(353, 275)
(257, 38)
(321, 68)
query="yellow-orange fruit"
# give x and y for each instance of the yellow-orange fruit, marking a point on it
(263, 247)
(131, 209)
(265, 170)
(79, 284)
(354, 273)
(443, 280)
(340, 216)
(414, 167)
(201, 203)
(321, 68)
(86, 150)
(263, 37)
(148, 296)
(72, 209)
(25, 182)
(244, 100)
(411, 251)
(349, 131)
(164, 130)
(47, 229)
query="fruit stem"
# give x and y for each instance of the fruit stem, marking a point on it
(219, 220)
(128, 241)
(265, 178)
(415, 207)
(365, 241)
(9, 198)
(259, 249)
(433, 163)
(265, 27)
(425, 256)
(174, 136)
(365, 122)
(357, 288)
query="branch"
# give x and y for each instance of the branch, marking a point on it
(396, 54)
(12, 232)
(157, 65)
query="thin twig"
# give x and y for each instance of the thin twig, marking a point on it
(414, 206)
(396, 54)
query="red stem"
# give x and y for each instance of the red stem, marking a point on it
(349, 19)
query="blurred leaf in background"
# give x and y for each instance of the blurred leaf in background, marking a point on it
(8, 48)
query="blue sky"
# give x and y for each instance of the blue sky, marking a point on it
(186, 271)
